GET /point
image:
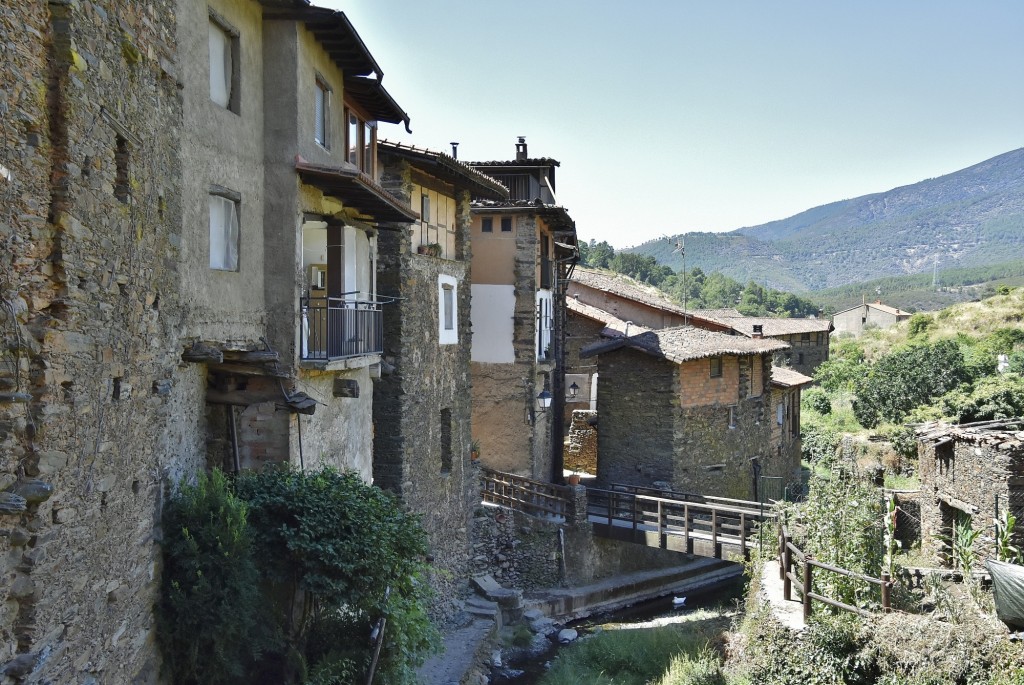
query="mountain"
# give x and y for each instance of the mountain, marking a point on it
(970, 218)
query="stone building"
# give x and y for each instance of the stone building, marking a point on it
(422, 402)
(523, 251)
(695, 410)
(866, 316)
(281, 156)
(970, 473)
(91, 426)
(808, 339)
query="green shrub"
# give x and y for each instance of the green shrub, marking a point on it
(908, 377)
(995, 397)
(818, 442)
(919, 324)
(209, 621)
(340, 555)
(818, 400)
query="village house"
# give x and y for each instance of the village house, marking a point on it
(422, 402)
(284, 106)
(523, 251)
(970, 474)
(696, 411)
(808, 339)
(192, 205)
(866, 316)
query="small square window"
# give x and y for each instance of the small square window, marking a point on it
(223, 46)
(487, 225)
(506, 224)
(223, 232)
(716, 367)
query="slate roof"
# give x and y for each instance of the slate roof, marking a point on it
(557, 217)
(448, 168)
(1002, 434)
(786, 377)
(624, 286)
(770, 326)
(686, 343)
(533, 161)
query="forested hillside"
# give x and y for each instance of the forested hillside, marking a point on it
(970, 218)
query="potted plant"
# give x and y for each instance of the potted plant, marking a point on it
(573, 479)
(435, 249)
(474, 450)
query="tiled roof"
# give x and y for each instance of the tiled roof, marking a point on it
(614, 326)
(624, 286)
(1002, 434)
(787, 378)
(447, 167)
(686, 343)
(771, 326)
(557, 217)
(876, 305)
(717, 313)
(533, 161)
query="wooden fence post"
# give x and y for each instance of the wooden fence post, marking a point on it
(807, 587)
(714, 534)
(743, 535)
(782, 553)
(787, 566)
(886, 601)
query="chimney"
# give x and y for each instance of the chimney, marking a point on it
(521, 149)
(758, 330)
(455, 149)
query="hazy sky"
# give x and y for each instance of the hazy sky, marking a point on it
(673, 116)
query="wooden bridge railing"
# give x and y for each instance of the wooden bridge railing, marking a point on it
(533, 497)
(715, 523)
(787, 550)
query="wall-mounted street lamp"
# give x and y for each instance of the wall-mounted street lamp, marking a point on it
(543, 400)
(574, 390)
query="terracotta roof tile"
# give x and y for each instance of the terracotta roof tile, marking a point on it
(788, 378)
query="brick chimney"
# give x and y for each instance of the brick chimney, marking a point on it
(758, 331)
(521, 149)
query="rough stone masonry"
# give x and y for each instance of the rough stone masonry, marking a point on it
(89, 222)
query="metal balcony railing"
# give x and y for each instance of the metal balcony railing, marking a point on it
(336, 328)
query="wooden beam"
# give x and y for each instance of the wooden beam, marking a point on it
(243, 398)
(247, 370)
(251, 356)
(200, 353)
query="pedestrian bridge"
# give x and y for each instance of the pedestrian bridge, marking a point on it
(688, 523)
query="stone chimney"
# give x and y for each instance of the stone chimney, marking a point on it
(758, 331)
(521, 149)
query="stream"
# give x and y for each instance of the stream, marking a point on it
(534, 667)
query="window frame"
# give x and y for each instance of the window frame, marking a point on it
(445, 335)
(233, 43)
(235, 199)
(364, 151)
(487, 224)
(322, 90)
(716, 367)
(506, 224)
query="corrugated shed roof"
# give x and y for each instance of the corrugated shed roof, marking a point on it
(787, 378)
(686, 343)
(624, 286)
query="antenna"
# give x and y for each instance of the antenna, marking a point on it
(681, 249)
(935, 272)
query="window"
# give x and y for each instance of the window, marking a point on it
(425, 208)
(506, 224)
(223, 229)
(322, 113)
(716, 367)
(361, 139)
(805, 337)
(487, 225)
(448, 310)
(122, 183)
(223, 43)
(800, 358)
(446, 441)
(780, 413)
(732, 416)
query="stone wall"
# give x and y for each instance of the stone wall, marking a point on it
(804, 355)
(638, 399)
(421, 403)
(91, 222)
(966, 477)
(581, 448)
